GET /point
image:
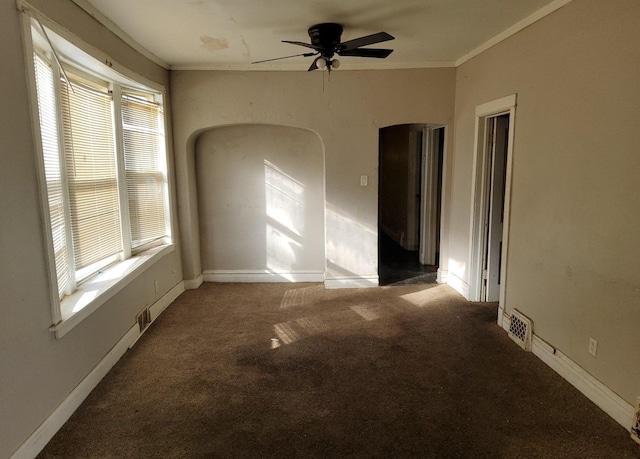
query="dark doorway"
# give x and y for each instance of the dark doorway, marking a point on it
(399, 266)
(498, 143)
(409, 196)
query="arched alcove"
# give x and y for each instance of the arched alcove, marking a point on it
(261, 203)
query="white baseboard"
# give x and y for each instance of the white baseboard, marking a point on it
(351, 282)
(159, 306)
(262, 276)
(163, 303)
(192, 284)
(458, 285)
(606, 399)
(441, 276)
(45, 432)
(502, 316)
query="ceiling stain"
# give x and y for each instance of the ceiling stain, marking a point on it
(212, 44)
(246, 53)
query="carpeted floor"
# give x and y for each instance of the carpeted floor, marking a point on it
(294, 370)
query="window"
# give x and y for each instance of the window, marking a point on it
(104, 168)
(143, 133)
(89, 161)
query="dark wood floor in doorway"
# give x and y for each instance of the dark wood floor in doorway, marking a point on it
(398, 266)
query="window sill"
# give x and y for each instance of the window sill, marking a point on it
(101, 288)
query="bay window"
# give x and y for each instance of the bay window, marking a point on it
(104, 173)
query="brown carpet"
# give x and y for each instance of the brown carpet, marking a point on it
(408, 371)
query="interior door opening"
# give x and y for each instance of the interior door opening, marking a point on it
(491, 202)
(409, 203)
(497, 146)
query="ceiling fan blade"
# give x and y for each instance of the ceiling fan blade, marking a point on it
(285, 57)
(364, 41)
(366, 52)
(301, 43)
(314, 65)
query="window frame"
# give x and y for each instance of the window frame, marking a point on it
(96, 289)
(80, 275)
(125, 92)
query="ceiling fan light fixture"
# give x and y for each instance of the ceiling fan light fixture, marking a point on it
(325, 43)
(325, 63)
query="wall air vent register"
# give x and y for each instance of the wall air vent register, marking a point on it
(520, 330)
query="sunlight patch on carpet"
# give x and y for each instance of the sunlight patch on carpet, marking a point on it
(286, 333)
(312, 325)
(299, 296)
(426, 297)
(367, 312)
(304, 327)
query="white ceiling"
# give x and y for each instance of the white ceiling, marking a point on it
(230, 34)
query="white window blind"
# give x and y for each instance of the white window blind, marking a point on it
(145, 166)
(104, 171)
(52, 169)
(89, 151)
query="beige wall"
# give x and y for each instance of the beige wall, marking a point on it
(575, 212)
(345, 112)
(575, 216)
(38, 371)
(261, 200)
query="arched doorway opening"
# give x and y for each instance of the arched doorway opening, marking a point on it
(411, 158)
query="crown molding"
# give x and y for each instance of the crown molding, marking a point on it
(115, 29)
(514, 29)
(304, 67)
(517, 27)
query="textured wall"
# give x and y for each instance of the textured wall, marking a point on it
(38, 371)
(575, 213)
(346, 113)
(261, 203)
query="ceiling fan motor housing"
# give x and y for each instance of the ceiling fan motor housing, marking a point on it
(326, 36)
(325, 41)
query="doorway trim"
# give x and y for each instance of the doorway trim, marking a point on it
(479, 190)
(428, 194)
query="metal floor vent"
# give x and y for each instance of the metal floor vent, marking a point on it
(144, 319)
(520, 330)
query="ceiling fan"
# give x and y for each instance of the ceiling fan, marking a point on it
(325, 41)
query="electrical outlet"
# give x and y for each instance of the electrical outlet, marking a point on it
(364, 180)
(593, 347)
(156, 286)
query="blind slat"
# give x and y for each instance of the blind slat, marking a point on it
(53, 175)
(91, 174)
(81, 171)
(144, 158)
